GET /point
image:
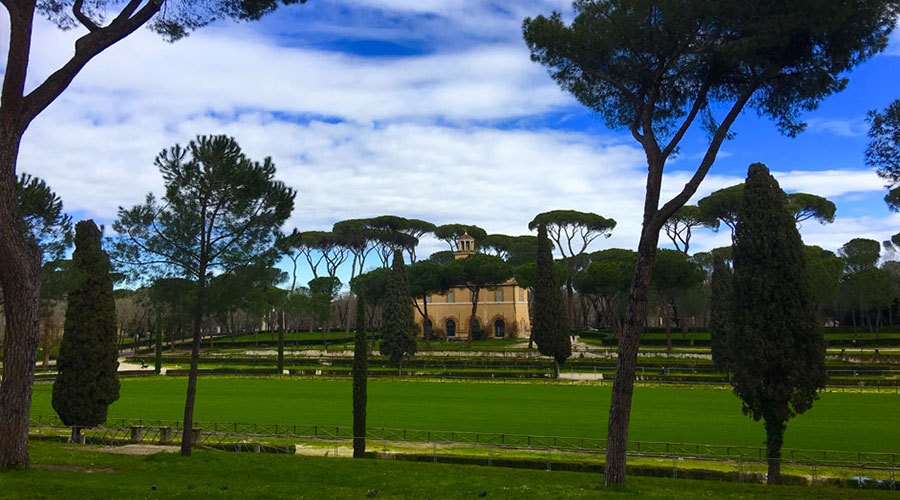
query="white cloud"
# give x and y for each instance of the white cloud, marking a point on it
(851, 127)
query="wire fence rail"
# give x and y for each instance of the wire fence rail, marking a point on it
(122, 431)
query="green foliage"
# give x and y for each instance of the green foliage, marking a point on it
(212, 188)
(566, 227)
(398, 332)
(372, 285)
(550, 323)
(673, 272)
(825, 270)
(680, 225)
(360, 379)
(427, 277)
(723, 205)
(442, 257)
(807, 206)
(173, 22)
(42, 218)
(860, 254)
(88, 356)
(617, 52)
(776, 345)
(721, 291)
(883, 152)
(449, 233)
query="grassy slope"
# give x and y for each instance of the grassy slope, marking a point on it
(855, 422)
(280, 476)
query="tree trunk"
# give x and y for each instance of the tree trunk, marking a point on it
(76, 434)
(425, 322)
(281, 346)
(623, 384)
(19, 266)
(555, 369)
(665, 311)
(570, 299)
(360, 381)
(774, 440)
(195, 361)
(472, 318)
(46, 357)
(159, 347)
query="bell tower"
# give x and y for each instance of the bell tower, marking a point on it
(465, 246)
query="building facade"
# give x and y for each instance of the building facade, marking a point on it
(502, 310)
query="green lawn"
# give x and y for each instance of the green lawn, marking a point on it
(853, 422)
(69, 472)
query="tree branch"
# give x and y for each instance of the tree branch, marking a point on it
(721, 133)
(82, 18)
(686, 124)
(86, 48)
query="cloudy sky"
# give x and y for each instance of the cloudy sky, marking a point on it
(420, 108)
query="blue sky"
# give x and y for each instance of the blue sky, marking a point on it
(428, 109)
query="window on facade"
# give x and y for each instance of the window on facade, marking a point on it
(499, 328)
(499, 295)
(449, 296)
(523, 327)
(521, 295)
(450, 328)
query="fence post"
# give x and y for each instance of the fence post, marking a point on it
(137, 433)
(165, 435)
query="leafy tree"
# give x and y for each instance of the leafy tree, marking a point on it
(373, 285)
(304, 244)
(825, 270)
(360, 379)
(450, 233)
(323, 291)
(398, 333)
(221, 211)
(775, 342)
(724, 204)
(572, 232)
(607, 279)
(19, 273)
(860, 254)
(87, 382)
(805, 206)
(475, 272)
(551, 328)
(681, 224)
(654, 67)
(426, 277)
(442, 257)
(413, 229)
(42, 218)
(883, 151)
(721, 290)
(673, 274)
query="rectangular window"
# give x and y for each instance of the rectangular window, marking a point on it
(522, 296)
(499, 295)
(449, 296)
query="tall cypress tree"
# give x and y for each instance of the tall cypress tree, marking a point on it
(776, 344)
(398, 335)
(87, 382)
(721, 290)
(360, 379)
(551, 323)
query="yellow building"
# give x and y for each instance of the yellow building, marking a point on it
(502, 310)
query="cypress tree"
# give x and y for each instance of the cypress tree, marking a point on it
(87, 382)
(551, 323)
(776, 344)
(721, 290)
(398, 333)
(360, 379)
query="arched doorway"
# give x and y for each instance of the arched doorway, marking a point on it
(499, 329)
(450, 328)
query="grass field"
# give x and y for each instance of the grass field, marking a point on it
(852, 422)
(69, 472)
